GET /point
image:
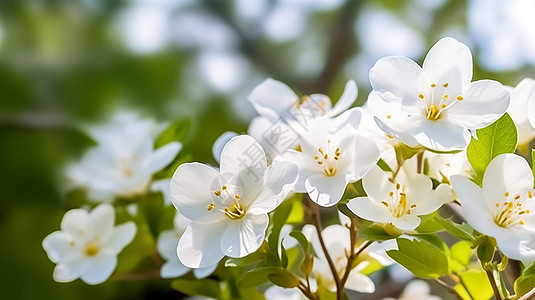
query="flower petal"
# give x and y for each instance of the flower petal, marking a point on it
(346, 100)
(244, 157)
(376, 184)
(439, 135)
(199, 246)
(446, 54)
(517, 244)
(271, 97)
(365, 156)
(76, 223)
(173, 268)
(204, 272)
(406, 222)
(485, 101)
(162, 156)
(245, 236)
(122, 236)
(58, 246)
(326, 190)
(191, 189)
(506, 173)
(62, 273)
(369, 209)
(166, 244)
(434, 200)
(359, 282)
(102, 219)
(220, 142)
(280, 179)
(99, 268)
(395, 78)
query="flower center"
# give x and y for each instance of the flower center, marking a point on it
(397, 203)
(510, 212)
(328, 159)
(228, 203)
(435, 108)
(91, 249)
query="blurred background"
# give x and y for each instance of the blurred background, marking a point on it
(67, 63)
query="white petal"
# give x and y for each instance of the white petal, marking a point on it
(399, 135)
(473, 204)
(395, 78)
(102, 219)
(166, 244)
(359, 282)
(485, 101)
(531, 110)
(173, 268)
(506, 173)
(76, 223)
(406, 222)
(200, 245)
(58, 246)
(439, 135)
(162, 186)
(274, 136)
(243, 237)
(62, 273)
(162, 156)
(376, 184)
(346, 100)
(280, 179)
(219, 144)
(368, 209)
(244, 157)
(99, 268)
(200, 273)
(296, 157)
(191, 189)
(365, 157)
(326, 190)
(445, 55)
(433, 201)
(122, 236)
(516, 243)
(519, 100)
(272, 97)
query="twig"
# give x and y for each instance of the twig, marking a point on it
(493, 284)
(450, 289)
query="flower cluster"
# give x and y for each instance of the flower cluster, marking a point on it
(430, 152)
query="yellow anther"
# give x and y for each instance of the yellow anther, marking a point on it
(217, 193)
(391, 194)
(421, 96)
(506, 194)
(224, 187)
(530, 194)
(460, 98)
(316, 157)
(445, 96)
(443, 105)
(397, 186)
(91, 250)
(521, 222)
(433, 85)
(389, 116)
(320, 162)
(385, 203)
(433, 113)
(210, 206)
(445, 85)
(517, 197)
(237, 197)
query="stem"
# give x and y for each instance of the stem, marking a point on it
(315, 214)
(493, 284)
(450, 289)
(419, 162)
(306, 291)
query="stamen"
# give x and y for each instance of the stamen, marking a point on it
(433, 85)
(210, 206)
(217, 193)
(460, 98)
(445, 85)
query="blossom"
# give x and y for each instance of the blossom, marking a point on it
(123, 162)
(502, 207)
(228, 208)
(332, 155)
(167, 244)
(279, 293)
(284, 115)
(518, 110)
(88, 244)
(416, 289)
(400, 202)
(337, 242)
(441, 102)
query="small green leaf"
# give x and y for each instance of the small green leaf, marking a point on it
(421, 258)
(284, 279)
(177, 131)
(297, 212)
(384, 166)
(497, 138)
(278, 219)
(307, 264)
(429, 224)
(203, 287)
(284, 256)
(342, 207)
(256, 257)
(375, 233)
(301, 239)
(485, 249)
(460, 254)
(256, 277)
(476, 284)
(524, 284)
(463, 232)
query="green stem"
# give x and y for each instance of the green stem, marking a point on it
(492, 281)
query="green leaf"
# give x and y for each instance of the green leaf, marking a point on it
(297, 213)
(524, 284)
(429, 224)
(375, 233)
(256, 257)
(421, 258)
(204, 287)
(301, 239)
(284, 256)
(384, 166)
(460, 254)
(284, 279)
(342, 207)
(463, 232)
(256, 277)
(485, 248)
(278, 219)
(177, 131)
(476, 284)
(497, 138)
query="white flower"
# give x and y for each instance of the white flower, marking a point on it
(518, 110)
(441, 101)
(123, 162)
(337, 242)
(278, 293)
(88, 244)
(167, 244)
(401, 202)
(229, 208)
(416, 289)
(284, 115)
(332, 155)
(503, 207)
